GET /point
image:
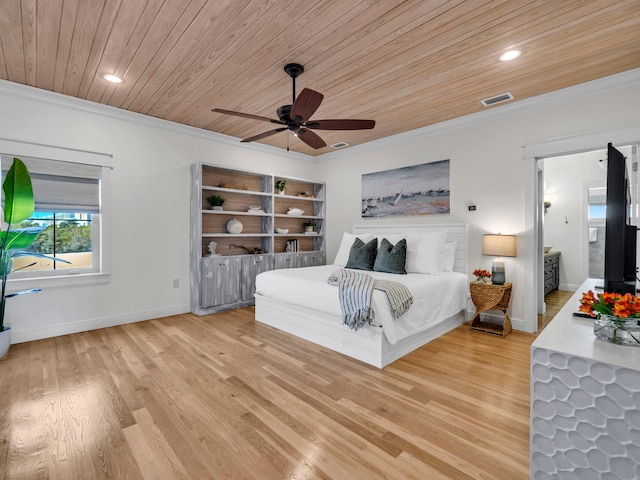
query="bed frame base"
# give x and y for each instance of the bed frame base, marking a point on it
(368, 345)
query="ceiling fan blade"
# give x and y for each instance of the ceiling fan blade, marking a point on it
(263, 135)
(310, 138)
(247, 115)
(305, 105)
(345, 124)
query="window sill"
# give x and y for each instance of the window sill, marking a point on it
(20, 284)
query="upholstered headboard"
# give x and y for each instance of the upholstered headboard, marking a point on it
(456, 232)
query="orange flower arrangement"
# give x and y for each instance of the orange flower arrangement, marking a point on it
(614, 304)
(481, 273)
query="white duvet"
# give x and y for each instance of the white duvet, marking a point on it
(436, 297)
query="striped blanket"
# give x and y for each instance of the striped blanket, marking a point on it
(355, 291)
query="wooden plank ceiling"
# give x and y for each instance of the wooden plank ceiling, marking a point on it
(404, 63)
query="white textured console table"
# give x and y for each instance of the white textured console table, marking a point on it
(585, 401)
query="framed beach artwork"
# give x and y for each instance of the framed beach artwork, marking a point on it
(415, 190)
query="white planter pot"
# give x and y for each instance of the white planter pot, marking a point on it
(5, 341)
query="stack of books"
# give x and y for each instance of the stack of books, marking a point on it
(292, 246)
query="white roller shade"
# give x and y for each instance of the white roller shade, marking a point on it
(61, 186)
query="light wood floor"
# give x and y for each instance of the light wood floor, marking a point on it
(554, 301)
(224, 397)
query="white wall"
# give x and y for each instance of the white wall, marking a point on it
(150, 195)
(486, 168)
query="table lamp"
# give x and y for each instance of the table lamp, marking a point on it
(500, 246)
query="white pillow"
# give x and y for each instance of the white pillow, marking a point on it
(423, 252)
(342, 257)
(448, 256)
(393, 238)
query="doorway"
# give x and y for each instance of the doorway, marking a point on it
(534, 199)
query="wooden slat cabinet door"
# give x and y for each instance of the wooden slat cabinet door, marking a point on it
(252, 265)
(221, 280)
(285, 260)
(311, 259)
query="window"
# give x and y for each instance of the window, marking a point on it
(70, 207)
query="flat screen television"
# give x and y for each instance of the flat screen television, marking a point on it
(620, 234)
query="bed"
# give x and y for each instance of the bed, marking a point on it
(301, 302)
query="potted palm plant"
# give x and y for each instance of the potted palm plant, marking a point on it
(18, 206)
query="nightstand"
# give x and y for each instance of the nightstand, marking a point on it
(490, 297)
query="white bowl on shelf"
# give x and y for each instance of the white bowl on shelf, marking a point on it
(547, 248)
(296, 212)
(282, 231)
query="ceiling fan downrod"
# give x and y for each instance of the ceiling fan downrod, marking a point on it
(294, 70)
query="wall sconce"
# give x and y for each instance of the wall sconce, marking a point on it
(500, 246)
(547, 206)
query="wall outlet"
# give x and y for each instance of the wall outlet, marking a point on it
(176, 283)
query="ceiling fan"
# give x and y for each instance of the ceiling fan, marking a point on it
(296, 117)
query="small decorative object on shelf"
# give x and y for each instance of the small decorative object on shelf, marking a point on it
(295, 212)
(234, 226)
(281, 186)
(482, 276)
(309, 227)
(233, 186)
(617, 316)
(212, 248)
(216, 202)
(249, 250)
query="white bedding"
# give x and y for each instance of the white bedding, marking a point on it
(436, 297)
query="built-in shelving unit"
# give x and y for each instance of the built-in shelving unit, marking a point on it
(227, 280)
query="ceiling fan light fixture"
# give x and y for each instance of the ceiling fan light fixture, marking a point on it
(112, 78)
(510, 55)
(295, 117)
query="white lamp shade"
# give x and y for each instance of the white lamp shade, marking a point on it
(499, 245)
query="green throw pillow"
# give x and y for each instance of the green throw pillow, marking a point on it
(362, 256)
(391, 258)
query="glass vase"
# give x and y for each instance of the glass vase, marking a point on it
(621, 331)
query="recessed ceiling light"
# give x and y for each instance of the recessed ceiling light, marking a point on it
(113, 78)
(510, 55)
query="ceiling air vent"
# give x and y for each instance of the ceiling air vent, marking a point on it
(339, 145)
(503, 97)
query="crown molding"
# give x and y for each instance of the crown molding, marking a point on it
(557, 97)
(66, 101)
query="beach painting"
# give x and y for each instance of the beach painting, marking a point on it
(415, 190)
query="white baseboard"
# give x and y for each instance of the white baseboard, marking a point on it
(569, 287)
(19, 336)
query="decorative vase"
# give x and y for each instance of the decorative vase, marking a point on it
(621, 331)
(281, 192)
(217, 207)
(5, 341)
(484, 280)
(234, 226)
